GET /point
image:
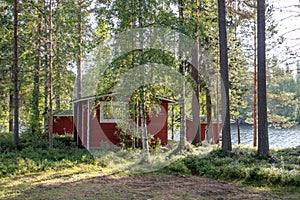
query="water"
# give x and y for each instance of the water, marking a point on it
(278, 138)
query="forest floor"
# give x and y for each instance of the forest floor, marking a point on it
(67, 172)
(95, 184)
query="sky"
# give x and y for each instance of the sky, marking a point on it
(287, 15)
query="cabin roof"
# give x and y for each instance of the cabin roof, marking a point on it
(112, 94)
(64, 113)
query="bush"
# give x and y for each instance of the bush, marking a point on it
(34, 155)
(244, 165)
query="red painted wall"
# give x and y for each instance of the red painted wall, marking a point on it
(157, 126)
(215, 134)
(63, 125)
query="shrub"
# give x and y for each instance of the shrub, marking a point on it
(34, 155)
(243, 165)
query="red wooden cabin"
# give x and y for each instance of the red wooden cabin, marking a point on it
(95, 124)
(63, 122)
(209, 132)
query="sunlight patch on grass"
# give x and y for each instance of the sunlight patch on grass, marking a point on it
(130, 161)
(14, 186)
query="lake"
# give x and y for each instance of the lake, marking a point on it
(278, 138)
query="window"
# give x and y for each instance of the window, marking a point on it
(112, 112)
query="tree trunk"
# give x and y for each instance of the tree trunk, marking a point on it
(195, 98)
(182, 69)
(46, 96)
(195, 75)
(59, 53)
(35, 126)
(263, 140)
(16, 76)
(208, 106)
(255, 92)
(226, 135)
(50, 127)
(182, 105)
(172, 123)
(238, 130)
(79, 74)
(11, 111)
(145, 143)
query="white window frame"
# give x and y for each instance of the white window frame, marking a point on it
(111, 120)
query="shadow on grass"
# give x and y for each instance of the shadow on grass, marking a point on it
(102, 186)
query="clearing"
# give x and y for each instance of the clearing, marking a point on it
(95, 184)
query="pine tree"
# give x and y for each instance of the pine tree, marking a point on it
(263, 140)
(226, 135)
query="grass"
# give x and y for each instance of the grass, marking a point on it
(34, 171)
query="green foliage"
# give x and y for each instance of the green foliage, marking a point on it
(243, 165)
(178, 168)
(34, 155)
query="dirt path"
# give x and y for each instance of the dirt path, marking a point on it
(148, 187)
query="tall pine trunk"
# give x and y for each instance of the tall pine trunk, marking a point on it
(46, 94)
(195, 75)
(263, 140)
(35, 124)
(145, 142)
(182, 105)
(16, 76)
(78, 108)
(226, 135)
(59, 56)
(11, 110)
(255, 91)
(182, 69)
(208, 106)
(50, 127)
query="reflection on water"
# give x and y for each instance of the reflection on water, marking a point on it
(278, 138)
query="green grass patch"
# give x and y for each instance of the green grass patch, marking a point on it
(34, 155)
(279, 174)
(243, 165)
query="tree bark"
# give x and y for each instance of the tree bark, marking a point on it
(16, 76)
(263, 140)
(255, 92)
(36, 85)
(11, 111)
(226, 135)
(50, 127)
(209, 116)
(182, 69)
(182, 105)
(145, 142)
(195, 98)
(46, 95)
(195, 75)
(238, 130)
(79, 76)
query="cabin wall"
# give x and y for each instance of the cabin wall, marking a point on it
(63, 125)
(157, 124)
(212, 132)
(98, 132)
